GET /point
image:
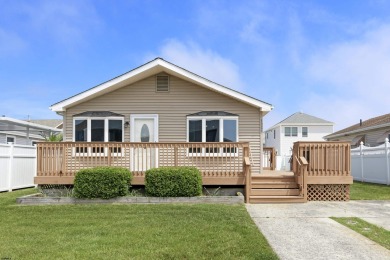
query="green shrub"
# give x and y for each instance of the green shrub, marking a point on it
(173, 182)
(102, 182)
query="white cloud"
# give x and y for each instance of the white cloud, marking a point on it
(203, 62)
(66, 22)
(354, 77)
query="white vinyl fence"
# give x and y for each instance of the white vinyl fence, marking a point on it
(371, 164)
(17, 166)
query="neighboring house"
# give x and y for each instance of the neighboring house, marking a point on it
(54, 123)
(23, 132)
(297, 127)
(372, 132)
(161, 102)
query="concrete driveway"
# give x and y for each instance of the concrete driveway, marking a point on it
(305, 231)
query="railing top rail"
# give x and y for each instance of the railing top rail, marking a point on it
(322, 142)
(187, 143)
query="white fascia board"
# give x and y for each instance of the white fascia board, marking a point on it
(156, 66)
(28, 124)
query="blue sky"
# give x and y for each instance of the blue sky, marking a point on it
(327, 58)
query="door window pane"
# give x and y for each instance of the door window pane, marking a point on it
(97, 130)
(145, 135)
(115, 130)
(80, 131)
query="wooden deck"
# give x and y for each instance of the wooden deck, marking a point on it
(219, 163)
(321, 170)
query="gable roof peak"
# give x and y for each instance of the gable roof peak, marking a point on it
(302, 118)
(151, 68)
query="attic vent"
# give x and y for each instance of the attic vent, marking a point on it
(162, 83)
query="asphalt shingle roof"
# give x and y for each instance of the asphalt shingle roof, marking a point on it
(375, 121)
(302, 118)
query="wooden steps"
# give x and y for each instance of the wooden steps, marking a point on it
(274, 188)
(275, 199)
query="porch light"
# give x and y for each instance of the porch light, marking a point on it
(126, 124)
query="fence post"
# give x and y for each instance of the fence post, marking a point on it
(361, 160)
(387, 159)
(11, 165)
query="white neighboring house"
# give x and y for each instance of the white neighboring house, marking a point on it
(297, 127)
(22, 132)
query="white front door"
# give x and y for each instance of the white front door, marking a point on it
(144, 128)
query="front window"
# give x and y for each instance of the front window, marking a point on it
(290, 131)
(98, 130)
(212, 130)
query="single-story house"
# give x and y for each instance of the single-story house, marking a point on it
(160, 114)
(162, 102)
(24, 132)
(372, 132)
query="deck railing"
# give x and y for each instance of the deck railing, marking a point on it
(219, 163)
(325, 158)
(322, 169)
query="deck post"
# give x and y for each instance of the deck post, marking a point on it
(247, 171)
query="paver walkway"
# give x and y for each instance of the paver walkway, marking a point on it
(305, 231)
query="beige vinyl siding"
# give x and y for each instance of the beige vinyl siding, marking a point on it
(173, 107)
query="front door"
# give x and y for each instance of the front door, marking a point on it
(144, 129)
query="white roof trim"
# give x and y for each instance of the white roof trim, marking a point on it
(23, 123)
(156, 66)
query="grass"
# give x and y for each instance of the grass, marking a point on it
(369, 191)
(373, 232)
(174, 231)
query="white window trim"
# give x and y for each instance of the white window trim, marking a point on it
(10, 136)
(221, 134)
(291, 132)
(106, 134)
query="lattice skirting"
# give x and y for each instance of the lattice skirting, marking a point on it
(328, 192)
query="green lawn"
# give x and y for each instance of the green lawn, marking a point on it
(369, 191)
(373, 232)
(174, 231)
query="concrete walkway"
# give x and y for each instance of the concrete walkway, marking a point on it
(305, 231)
